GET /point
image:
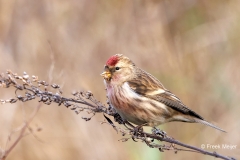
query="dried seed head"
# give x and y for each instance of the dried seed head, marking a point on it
(34, 78)
(25, 76)
(55, 86)
(9, 71)
(18, 77)
(74, 93)
(2, 101)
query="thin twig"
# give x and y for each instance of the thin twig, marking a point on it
(85, 101)
(21, 134)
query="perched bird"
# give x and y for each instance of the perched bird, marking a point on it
(141, 98)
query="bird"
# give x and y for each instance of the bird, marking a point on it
(140, 98)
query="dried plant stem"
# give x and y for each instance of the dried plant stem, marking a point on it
(21, 134)
(193, 149)
(85, 101)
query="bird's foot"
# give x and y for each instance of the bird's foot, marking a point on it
(157, 131)
(136, 131)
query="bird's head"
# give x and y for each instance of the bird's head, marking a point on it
(118, 69)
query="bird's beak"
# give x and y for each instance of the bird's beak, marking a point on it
(106, 75)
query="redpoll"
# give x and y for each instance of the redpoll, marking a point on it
(141, 98)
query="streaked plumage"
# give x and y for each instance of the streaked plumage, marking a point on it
(140, 98)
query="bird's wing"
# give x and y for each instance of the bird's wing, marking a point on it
(148, 86)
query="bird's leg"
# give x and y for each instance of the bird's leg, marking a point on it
(118, 118)
(129, 124)
(157, 131)
(138, 129)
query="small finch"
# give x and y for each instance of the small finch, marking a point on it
(140, 98)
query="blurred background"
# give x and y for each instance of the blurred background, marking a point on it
(191, 46)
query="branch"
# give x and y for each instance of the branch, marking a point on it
(22, 129)
(85, 101)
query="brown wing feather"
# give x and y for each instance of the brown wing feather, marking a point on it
(145, 83)
(174, 104)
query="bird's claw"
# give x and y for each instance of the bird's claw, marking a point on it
(157, 131)
(136, 131)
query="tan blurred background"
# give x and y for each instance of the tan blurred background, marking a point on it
(192, 46)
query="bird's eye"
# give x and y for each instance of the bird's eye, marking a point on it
(117, 68)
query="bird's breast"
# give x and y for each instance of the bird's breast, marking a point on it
(134, 107)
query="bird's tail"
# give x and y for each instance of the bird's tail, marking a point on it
(208, 124)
